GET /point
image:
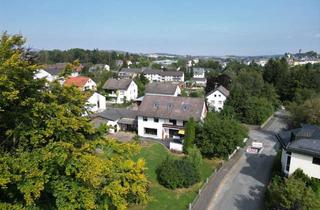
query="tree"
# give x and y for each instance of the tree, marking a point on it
(190, 135)
(291, 193)
(257, 110)
(308, 112)
(51, 156)
(219, 136)
(141, 82)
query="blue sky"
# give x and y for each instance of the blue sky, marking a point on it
(193, 27)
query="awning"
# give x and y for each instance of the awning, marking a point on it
(181, 131)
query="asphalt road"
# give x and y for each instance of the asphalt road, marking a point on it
(244, 185)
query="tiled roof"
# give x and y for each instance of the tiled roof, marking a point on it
(222, 90)
(78, 81)
(161, 88)
(117, 84)
(168, 107)
(304, 140)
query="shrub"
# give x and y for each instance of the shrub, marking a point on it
(194, 157)
(175, 173)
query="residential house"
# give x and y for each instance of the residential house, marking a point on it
(129, 73)
(57, 68)
(163, 88)
(200, 82)
(43, 74)
(99, 67)
(199, 73)
(121, 90)
(96, 102)
(154, 75)
(217, 97)
(163, 117)
(116, 118)
(82, 82)
(301, 150)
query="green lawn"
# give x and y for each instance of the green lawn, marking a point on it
(161, 197)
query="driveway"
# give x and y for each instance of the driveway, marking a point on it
(243, 186)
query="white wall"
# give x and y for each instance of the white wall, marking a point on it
(132, 92)
(90, 85)
(216, 100)
(95, 100)
(150, 124)
(304, 162)
(176, 146)
(41, 74)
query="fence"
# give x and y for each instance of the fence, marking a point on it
(191, 205)
(216, 170)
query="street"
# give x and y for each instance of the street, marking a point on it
(244, 185)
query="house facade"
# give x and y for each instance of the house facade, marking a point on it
(165, 117)
(43, 74)
(129, 73)
(121, 90)
(154, 75)
(199, 73)
(96, 102)
(81, 82)
(217, 97)
(301, 150)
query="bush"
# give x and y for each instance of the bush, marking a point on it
(174, 173)
(194, 157)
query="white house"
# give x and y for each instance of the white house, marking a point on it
(217, 97)
(82, 82)
(96, 102)
(121, 90)
(198, 73)
(154, 75)
(43, 74)
(163, 88)
(301, 150)
(164, 117)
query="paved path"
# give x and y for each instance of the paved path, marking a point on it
(240, 185)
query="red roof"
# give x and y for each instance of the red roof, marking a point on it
(78, 81)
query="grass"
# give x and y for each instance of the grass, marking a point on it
(161, 197)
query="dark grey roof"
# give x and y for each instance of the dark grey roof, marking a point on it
(222, 89)
(161, 88)
(168, 107)
(304, 140)
(133, 70)
(152, 71)
(115, 114)
(55, 69)
(198, 79)
(117, 84)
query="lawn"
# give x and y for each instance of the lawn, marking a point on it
(161, 197)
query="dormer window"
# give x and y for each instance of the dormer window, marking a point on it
(185, 107)
(156, 105)
(170, 107)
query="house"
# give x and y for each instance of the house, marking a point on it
(57, 68)
(165, 117)
(163, 88)
(96, 102)
(81, 82)
(199, 73)
(200, 82)
(217, 97)
(121, 90)
(129, 73)
(99, 67)
(117, 118)
(301, 149)
(154, 75)
(43, 74)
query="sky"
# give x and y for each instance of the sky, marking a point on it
(186, 27)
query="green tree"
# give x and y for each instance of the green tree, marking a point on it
(291, 193)
(190, 135)
(219, 136)
(51, 156)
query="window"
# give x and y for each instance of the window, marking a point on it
(316, 161)
(145, 119)
(98, 104)
(156, 105)
(174, 122)
(156, 119)
(219, 95)
(288, 163)
(215, 95)
(150, 131)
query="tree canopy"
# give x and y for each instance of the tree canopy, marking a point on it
(52, 157)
